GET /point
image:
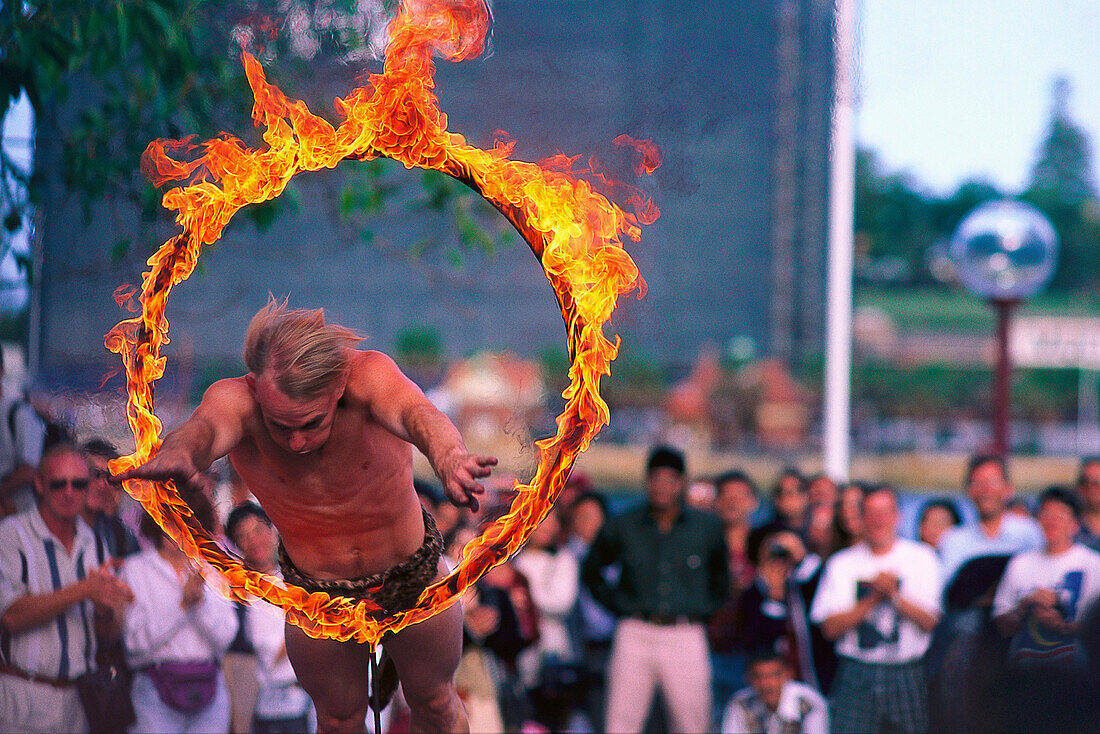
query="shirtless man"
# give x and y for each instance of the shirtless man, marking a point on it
(323, 435)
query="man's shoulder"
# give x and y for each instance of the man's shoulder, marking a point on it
(845, 557)
(228, 397)
(1018, 526)
(10, 527)
(912, 547)
(630, 515)
(373, 373)
(804, 691)
(746, 697)
(365, 364)
(1085, 556)
(703, 518)
(230, 387)
(229, 393)
(959, 535)
(916, 551)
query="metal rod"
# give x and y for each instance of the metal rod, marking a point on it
(1002, 378)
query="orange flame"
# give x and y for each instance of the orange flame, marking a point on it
(573, 230)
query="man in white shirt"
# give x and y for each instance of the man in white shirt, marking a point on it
(1043, 592)
(879, 600)
(775, 703)
(54, 594)
(997, 532)
(1040, 602)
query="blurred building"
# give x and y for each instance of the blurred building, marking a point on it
(737, 95)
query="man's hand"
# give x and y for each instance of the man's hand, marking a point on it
(480, 620)
(1049, 617)
(774, 574)
(886, 585)
(1040, 599)
(166, 465)
(105, 590)
(459, 471)
(192, 590)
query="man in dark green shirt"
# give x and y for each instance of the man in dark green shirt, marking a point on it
(662, 569)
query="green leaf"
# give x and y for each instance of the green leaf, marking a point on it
(123, 27)
(119, 251)
(263, 215)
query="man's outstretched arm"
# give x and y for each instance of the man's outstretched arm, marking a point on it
(212, 431)
(398, 404)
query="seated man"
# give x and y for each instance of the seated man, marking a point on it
(775, 703)
(323, 436)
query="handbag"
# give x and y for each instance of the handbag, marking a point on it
(186, 686)
(105, 695)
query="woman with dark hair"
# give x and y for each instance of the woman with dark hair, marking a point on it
(176, 632)
(936, 517)
(849, 520)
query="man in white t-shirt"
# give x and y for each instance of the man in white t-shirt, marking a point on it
(1043, 592)
(1040, 602)
(997, 532)
(879, 600)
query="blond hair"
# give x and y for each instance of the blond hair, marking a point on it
(305, 355)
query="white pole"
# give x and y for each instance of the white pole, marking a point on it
(838, 313)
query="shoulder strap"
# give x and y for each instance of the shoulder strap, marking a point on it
(99, 553)
(11, 418)
(29, 546)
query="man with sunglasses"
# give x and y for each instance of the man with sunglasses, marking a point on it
(54, 594)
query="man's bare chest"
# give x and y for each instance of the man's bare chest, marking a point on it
(359, 456)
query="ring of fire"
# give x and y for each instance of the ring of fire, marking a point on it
(574, 231)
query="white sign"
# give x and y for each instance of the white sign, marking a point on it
(1052, 341)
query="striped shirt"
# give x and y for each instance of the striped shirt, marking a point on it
(33, 561)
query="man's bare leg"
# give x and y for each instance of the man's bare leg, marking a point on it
(427, 655)
(334, 674)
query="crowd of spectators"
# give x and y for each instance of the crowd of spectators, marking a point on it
(705, 605)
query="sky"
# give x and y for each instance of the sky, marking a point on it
(955, 89)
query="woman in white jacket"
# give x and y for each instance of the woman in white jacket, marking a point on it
(551, 669)
(282, 705)
(176, 632)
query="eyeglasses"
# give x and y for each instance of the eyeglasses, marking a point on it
(59, 485)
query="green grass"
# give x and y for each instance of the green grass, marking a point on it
(943, 310)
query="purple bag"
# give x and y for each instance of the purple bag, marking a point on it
(186, 686)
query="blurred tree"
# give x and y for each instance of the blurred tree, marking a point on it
(892, 223)
(106, 77)
(1061, 185)
(103, 79)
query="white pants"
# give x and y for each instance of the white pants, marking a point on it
(155, 717)
(27, 707)
(675, 658)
